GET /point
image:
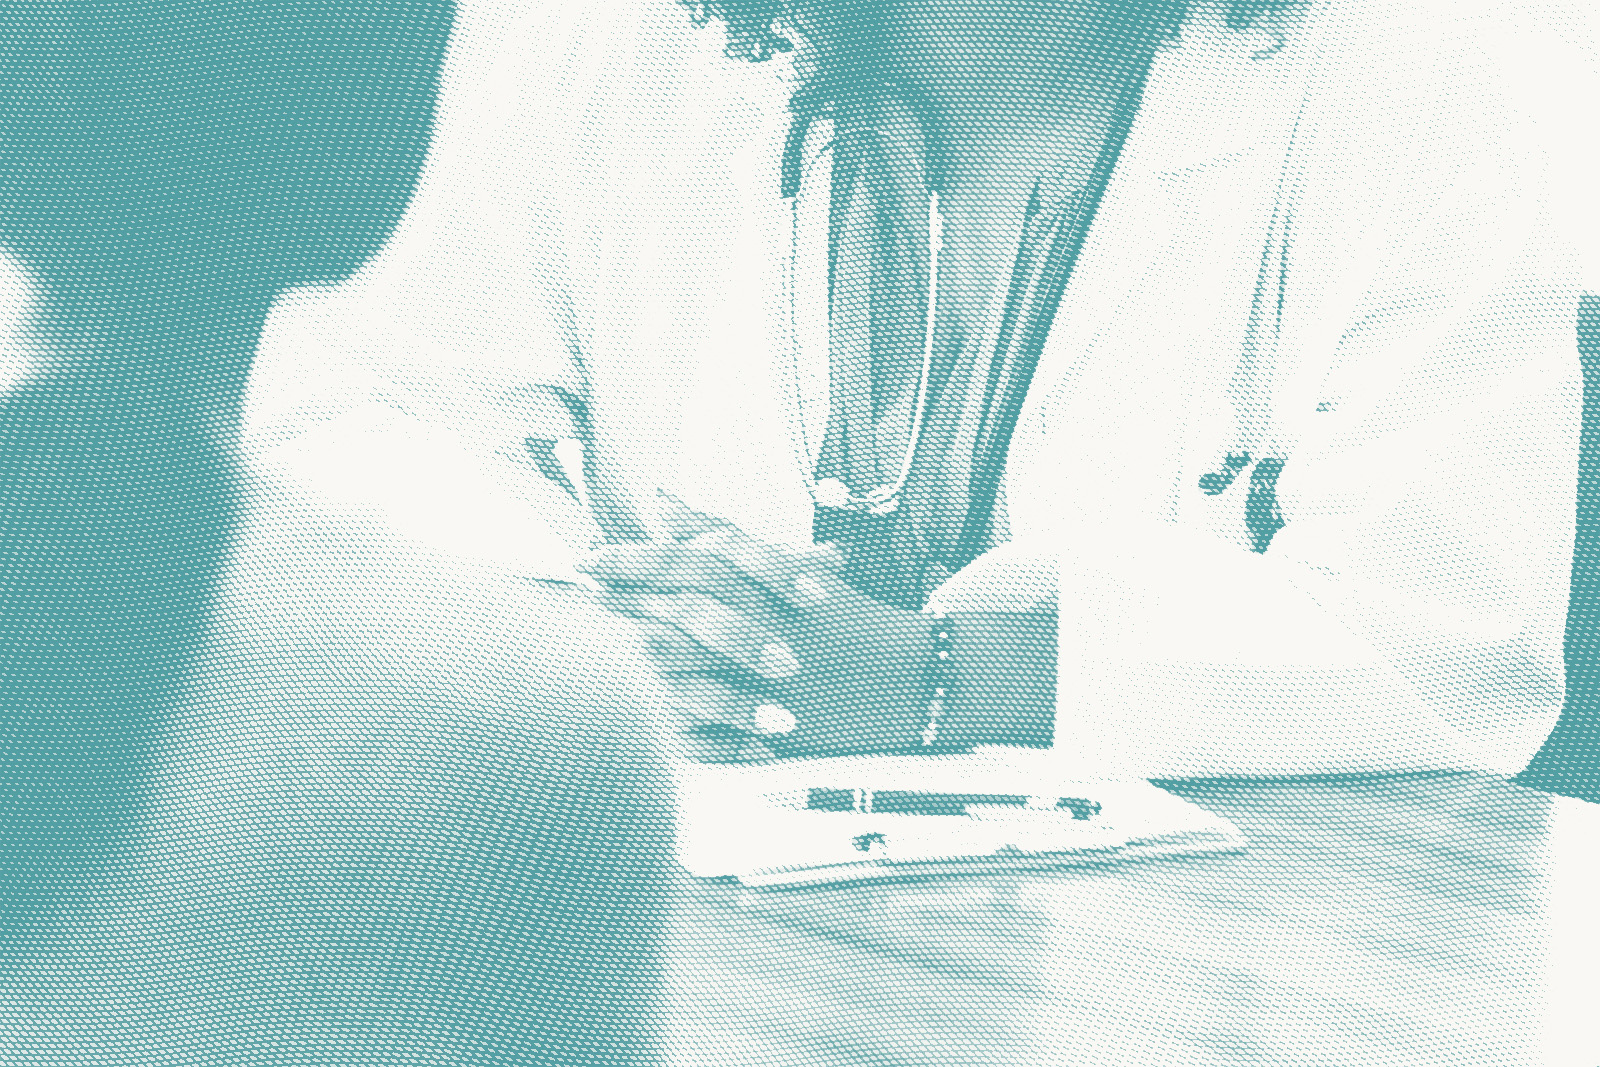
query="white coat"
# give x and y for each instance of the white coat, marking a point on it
(1378, 188)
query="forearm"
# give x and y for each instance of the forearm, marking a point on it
(1147, 705)
(1183, 659)
(1180, 656)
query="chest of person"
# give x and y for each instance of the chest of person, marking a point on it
(1128, 407)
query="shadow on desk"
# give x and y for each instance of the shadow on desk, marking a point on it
(1569, 763)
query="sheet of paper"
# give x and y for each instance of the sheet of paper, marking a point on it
(852, 819)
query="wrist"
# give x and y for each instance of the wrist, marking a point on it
(1001, 680)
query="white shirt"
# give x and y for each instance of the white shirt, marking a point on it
(1424, 386)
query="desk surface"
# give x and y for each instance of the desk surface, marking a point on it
(339, 850)
(1407, 921)
(1432, 920)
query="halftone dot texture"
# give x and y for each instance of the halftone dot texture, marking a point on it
(282, 787)
(251, 812)
(1569, 762)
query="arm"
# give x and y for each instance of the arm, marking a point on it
(1409, 614)
(1419, 629)
(737, 624)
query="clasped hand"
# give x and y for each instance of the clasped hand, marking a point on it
(766, 648)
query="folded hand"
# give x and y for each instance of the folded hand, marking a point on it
(767, 647)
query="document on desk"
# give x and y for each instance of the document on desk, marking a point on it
(809, 822)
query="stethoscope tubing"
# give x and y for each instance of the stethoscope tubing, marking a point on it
(885, 498)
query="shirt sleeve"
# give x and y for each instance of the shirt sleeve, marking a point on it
(1410, 613)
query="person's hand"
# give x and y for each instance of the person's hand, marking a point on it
(769, 650)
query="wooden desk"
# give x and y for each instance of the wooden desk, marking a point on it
(1406, 921)
(1437, 920)
(342, 864)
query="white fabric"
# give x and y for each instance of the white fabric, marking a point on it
(1409, 614)
(1426, 391)
(1424, 385)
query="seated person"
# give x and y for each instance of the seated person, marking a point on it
(268, 818)
(1212, 374)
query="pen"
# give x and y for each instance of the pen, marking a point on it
(915, 802)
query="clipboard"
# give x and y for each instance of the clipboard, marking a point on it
(860, 819)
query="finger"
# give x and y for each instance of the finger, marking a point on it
(636, 563)
(829, 554)
(670, 649)
(675, 568)
(690, 631)
(707, 702)
(720, 562)
(725, 631)
(766, 564)
(799, 578)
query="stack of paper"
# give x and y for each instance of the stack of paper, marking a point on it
(851, 819)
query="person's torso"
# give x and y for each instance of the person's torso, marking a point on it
(1127, 409)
